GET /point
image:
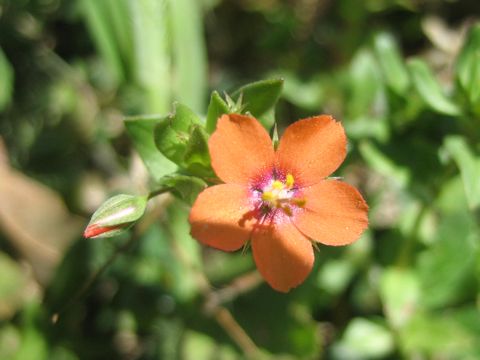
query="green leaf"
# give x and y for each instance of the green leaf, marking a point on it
(141, 129)
(469, 166)
(468, 65)
(97, 17)
(400, 294)
(216, 108)
(429, 89)
(6, 84)
(309, 95)
(364, 339)
(196, 158)
(118, 14)
(182, 139)
(116, 215)
(12, 286)
(197, 345)
(377, 160)
(10, 341)
(185, 187)
(34, 344)
(335, 275)
(152, 52)
(259, 99)
(172, 133)
(366, 90)
(391, 62)
(189, 52)
(282, 323)
(451, 334)
(447, 269)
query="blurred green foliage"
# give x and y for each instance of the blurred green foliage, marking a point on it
(403, 77)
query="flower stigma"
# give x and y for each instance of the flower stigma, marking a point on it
(280, 195)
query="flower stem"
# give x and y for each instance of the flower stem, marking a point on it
(157, 192)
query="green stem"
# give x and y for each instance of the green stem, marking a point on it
(157, 192)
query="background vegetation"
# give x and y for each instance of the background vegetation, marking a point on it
(402, 75)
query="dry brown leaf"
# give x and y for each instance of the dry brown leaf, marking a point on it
(35, 220)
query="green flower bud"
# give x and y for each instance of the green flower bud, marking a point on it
(116, 215)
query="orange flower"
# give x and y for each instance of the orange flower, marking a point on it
(280, 200)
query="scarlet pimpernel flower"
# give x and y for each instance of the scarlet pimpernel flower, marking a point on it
(280, 200)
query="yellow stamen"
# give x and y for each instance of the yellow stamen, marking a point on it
(289, 181)
(268, 196)
(278, 185)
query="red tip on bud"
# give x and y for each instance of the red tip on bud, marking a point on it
(115, 216)
(95, 230)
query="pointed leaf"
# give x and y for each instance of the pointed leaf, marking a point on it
(6, 85)
(149, 22)
(391, 62)
(468, 65)
(365, 84)
(430, 90)
(141, 129)
(260, 98)
(216, 108)
(364, 339)
(190, 64)
(96, 15)
(172, 133)
(400, 293)
(469, 166)
(196, 158)
(182, 139)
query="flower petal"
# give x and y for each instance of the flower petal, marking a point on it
(240, 149)
(221, 217)
(283, 255)
(335, 213)
(312, 149)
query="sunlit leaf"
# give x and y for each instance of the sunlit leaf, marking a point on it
(364, 339)
(152, 70)
(391, 62)
(442, 335)
(365, 91)
(6, 84)
(173, 132)
(381, 163)
(216, 108)
(400, 293)
(196, 157)
(200, 346)
(447, 268)
(468, 65)
(189, 52)
(141, 131)
(182, 139)
(469, 166)
(430, 90)
(259, 99)
(98, 19)
(12, 286)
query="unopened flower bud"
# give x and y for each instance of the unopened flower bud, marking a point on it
(116, 215)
